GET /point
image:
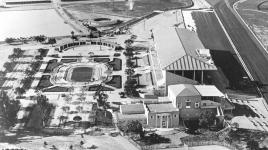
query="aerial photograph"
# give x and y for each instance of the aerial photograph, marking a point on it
(134, 74)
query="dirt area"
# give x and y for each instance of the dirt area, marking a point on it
(103, 142)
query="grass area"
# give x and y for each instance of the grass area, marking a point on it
(51, 65)
(115, 82)
(57, 89)
(141, 7)
(44, 82)
(116, 64)
(68, 60)
(103, 60)
(243, 110)
(95, 88)
(82, 74)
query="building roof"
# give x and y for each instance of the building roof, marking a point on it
(132, 109)
(183, 90)
(159, 108)
(193, 90)
(208, 90)
(181, 48)
(131, 116)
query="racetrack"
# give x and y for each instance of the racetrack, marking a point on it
(254, 57)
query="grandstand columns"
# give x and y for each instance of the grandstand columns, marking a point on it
(202, 76)
(194, 74)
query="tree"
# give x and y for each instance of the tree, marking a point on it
(135, 127)
(252, 145)
(207, 119)
(20, 91)
(52, 41)
(129, 72)
(9, 40)
(101, 99)
(45, 106)
(130, 64)
(8, 110)
(40, 38)
(8, 66)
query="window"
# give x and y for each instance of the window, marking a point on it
(188, 103)
(196, 104)
(158, 117)
(175, 116)
(152, 117)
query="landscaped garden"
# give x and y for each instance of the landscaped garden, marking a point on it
(44, 82)
(115, 82)
(116, 64)
(51, 65)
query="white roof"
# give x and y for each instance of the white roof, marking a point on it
(208, 90)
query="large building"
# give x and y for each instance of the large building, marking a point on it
(192, 100)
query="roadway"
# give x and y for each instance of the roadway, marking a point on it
(253, 55)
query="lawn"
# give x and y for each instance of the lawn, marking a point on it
(68, 60)
(57, 89)
(116, 64)
(44, 82)
(82, 74)
(103, 60)
(51, 65)
(115, 82)
(140, 7)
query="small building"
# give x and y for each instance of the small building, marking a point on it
(192, 100)
(131, 112)
(162, 115)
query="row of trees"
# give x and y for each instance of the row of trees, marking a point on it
(131, 83)
(8, 111)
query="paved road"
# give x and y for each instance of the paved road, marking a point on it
(254, 57)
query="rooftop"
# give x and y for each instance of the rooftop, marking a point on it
(208, 90)
(192, 90)
(183, 90)
(159, 108)
(132, 109)
(182, 47)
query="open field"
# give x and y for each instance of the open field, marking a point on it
(140, 7)
(32, 23)
(255, 58)
(210, 31)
